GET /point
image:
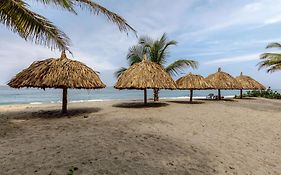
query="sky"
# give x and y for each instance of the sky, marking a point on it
(216, 33)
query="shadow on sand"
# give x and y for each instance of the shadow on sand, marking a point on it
(187, 102)
(222, 100)
(139, 105)
(246, 98)
(53, 113)
(102, 146)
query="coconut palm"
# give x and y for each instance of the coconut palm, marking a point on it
(157, 51)
(271, 61)
(19, 18)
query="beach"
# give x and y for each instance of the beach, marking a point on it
(123, 137)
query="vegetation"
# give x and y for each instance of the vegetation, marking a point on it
(271, 61)
(17, 16)
(264, 93)
(157, 51)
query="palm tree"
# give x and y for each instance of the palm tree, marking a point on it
(157, 51)
(271, 61)
(16, 15)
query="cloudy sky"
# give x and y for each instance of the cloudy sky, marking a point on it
(217, 33)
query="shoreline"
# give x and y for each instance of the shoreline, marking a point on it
(76, 105)
(112, 100)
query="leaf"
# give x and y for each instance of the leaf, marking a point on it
(120, 71)
(177, 66)
(135, 54)
(271, 61)
(273, 45)
(64, 4)
(31, 26)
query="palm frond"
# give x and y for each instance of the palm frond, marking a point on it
(274, 68)
(274, 45)
(120, 71)
(111, 16)
(271, 61)
(31, 26)
(135, 54)
(65, 4)
(155, 50)
(177, 66)
(268, 63)
(163, 38)
(270, 56)
(145, 40)
(164, 52)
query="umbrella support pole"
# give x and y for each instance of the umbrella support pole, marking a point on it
(219, 94)
(156, 94)
(145, 96)
(241, 93)
(191, 95)
(64, 101)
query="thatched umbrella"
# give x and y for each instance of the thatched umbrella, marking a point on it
(193, 82)
(248, 83)
(145, 75)
(60, 73)
(221, 80)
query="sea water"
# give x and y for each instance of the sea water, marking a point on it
(38, 96)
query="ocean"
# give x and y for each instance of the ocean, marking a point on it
(38, 96)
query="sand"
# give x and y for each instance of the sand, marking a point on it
(173, 137)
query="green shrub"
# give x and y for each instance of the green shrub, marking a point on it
(264, 93)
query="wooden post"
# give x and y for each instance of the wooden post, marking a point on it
(219, 94)
(156, 94)
(191, 95)
(241, 93)
(64, 101)
(145, 96)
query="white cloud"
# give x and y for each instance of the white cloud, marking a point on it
(273, 20)
(240, 59)
(257, 13)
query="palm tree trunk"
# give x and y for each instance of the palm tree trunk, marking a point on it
(145, 96)
(219, 94)
(241, 93)
(156, 94)
(64, 101)
(191, 95)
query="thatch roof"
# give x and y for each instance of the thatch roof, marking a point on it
(193, 82)
(249, 83)
(143, 75)
(223, 80)
(57, 73)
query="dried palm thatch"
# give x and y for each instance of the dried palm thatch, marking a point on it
(222, 80)
(248, 83)
(60, 73)
(145, 75)
(193, 82)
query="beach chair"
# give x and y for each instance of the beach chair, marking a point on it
(216, 97)
(210, 96)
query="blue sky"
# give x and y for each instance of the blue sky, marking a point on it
(217, 33)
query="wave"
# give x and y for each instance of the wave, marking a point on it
(102, 100)
(36, 103)
(93, 100)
